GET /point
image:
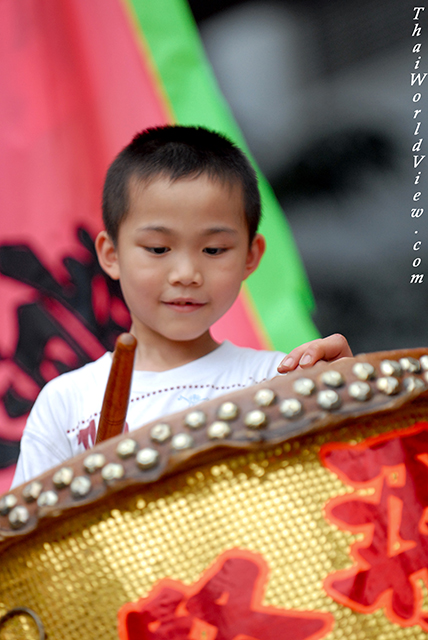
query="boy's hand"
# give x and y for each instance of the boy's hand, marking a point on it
(328, 349)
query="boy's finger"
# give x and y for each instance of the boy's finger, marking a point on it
(334, 347)
(327, 349)
(291, 361)
(331, 348)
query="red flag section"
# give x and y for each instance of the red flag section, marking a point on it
(74, 90)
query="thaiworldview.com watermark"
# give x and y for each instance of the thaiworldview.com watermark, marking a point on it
(417, 78)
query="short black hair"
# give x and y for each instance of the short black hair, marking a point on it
(178, 152)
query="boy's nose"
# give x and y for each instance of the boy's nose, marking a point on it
(185, 272)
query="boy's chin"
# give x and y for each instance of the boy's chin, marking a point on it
(189, 338)
(173, 334)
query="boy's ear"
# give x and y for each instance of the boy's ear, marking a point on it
(255, 254)
(107, 255)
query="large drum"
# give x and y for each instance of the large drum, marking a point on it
(296, 509)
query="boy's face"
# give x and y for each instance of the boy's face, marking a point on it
(181, 255)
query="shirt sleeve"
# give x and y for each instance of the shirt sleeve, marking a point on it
(44, 443)
(277, 357)
(264, 365)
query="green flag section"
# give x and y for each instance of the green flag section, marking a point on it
(275, 302)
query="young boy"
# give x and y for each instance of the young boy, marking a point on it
(181, 208)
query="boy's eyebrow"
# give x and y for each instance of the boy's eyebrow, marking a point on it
(207, 232)
(155, 227)
(213, 230)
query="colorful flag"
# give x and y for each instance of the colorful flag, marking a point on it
(78, 79)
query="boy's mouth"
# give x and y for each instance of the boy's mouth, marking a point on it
(184, 304)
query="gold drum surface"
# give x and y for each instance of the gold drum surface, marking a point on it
(78, 573)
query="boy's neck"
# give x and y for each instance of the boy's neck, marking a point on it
(162, 355)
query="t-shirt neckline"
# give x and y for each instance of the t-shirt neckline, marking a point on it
(210, 360)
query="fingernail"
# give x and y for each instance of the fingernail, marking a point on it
(288, 362)
(307, 359)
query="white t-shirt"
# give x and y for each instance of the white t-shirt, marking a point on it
(64, 419)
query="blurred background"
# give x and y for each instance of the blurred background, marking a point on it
(321, 90)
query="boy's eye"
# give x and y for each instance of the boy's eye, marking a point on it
(157, 250)
(214, 251)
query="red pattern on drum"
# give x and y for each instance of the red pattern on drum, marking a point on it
(389, 507)
(224, 604)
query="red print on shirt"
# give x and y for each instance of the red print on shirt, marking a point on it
(389, 506)
(225, 604)
(88, 435)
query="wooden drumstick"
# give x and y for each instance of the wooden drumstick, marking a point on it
(116, 397)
